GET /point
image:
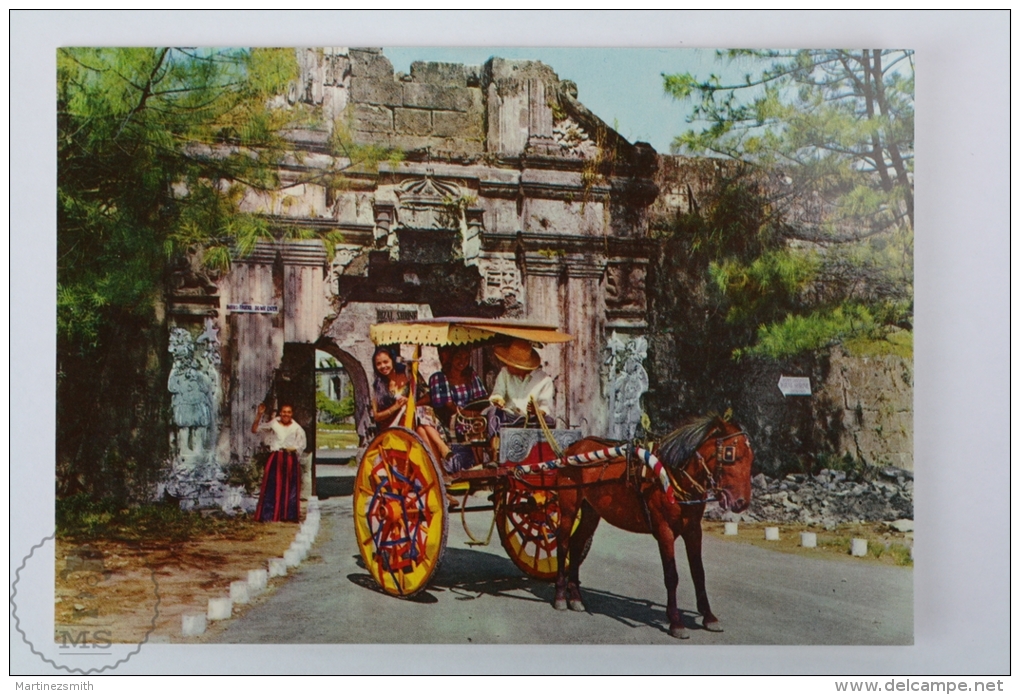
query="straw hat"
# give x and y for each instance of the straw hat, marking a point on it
(518, 354)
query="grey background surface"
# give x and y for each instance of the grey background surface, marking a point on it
(962, 314)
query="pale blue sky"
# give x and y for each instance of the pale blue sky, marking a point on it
(618, 84)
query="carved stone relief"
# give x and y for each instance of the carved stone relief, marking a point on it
(573, 140)
(428, 203)
(515, 444)
(625, 287)
(627, 381)
(188, 277)
(501, 282)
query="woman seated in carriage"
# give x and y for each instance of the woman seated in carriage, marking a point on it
(390, 394)
(457, 385)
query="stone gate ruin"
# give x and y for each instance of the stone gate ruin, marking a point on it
(509, 199)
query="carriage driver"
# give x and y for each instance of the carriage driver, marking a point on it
(518, 384)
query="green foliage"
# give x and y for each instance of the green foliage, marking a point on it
(156, 149)
(856, 469)
(839, 543)
(894, 342)
(332, 411)
(770, 283)
(79, 517)
(823, 198)
(814, 331)
(840, 122)
(901, 554)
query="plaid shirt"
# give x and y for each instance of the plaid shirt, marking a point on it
(443, 392)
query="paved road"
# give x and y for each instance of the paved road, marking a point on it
(479, 596)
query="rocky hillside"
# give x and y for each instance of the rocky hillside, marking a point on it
(830, 498)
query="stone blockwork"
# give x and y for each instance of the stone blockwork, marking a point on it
(438, 108)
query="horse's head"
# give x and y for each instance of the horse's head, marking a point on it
(728, 455)
(711, 456)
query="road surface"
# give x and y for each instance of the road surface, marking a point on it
(478, 596)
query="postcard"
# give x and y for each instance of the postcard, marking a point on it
(460, 347)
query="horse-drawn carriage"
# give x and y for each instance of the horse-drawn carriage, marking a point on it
(401, 489)
(539, 478)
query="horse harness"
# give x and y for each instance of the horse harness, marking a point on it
(725, 453)
(636, 475)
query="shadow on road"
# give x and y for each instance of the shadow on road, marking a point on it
(469, 574)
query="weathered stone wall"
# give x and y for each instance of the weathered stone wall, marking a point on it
(438, 107)
(872, 401)
(684, 184)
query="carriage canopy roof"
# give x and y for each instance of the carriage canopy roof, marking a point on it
(463, 331)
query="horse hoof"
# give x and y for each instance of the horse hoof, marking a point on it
(679, 632)
(577, 606)
(560, 604)
(712, 626)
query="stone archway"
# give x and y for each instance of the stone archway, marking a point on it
(359, 382)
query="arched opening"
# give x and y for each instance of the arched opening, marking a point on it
(335, 429)
(358, 385)
(342, 419)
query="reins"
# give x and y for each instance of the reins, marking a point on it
(723, 454)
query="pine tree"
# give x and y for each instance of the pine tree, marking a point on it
(826, 137)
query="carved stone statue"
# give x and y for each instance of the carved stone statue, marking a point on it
(628, 381)
(193, 385)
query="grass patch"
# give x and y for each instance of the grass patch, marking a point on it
(80, 518)
(333, 438)
(897, 342)
(901, 555)
(885, 547)
(837, 543)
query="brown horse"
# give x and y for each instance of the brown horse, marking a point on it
(707, 458)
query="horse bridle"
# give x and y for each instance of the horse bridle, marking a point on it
(724, 454)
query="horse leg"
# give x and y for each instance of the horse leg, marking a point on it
(568, 502)
(666, 540)
(580, 541)
(692, 543)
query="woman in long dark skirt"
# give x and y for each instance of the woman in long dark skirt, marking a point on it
(281, 482)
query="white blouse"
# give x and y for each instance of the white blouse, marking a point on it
(516, 392)
(281, 436)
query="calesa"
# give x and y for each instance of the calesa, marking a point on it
(543, 492)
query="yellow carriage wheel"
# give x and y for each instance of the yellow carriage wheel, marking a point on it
(527, 521)
(400, 517)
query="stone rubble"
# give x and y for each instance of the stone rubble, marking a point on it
(829, 498)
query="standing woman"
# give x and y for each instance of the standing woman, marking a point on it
(390, 392)
(281, 482)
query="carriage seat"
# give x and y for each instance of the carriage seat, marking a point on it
(516, 444)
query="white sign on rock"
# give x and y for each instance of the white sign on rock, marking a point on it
(795, 385)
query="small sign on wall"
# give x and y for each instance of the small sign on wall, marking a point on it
(795, 385)
(245, 308)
